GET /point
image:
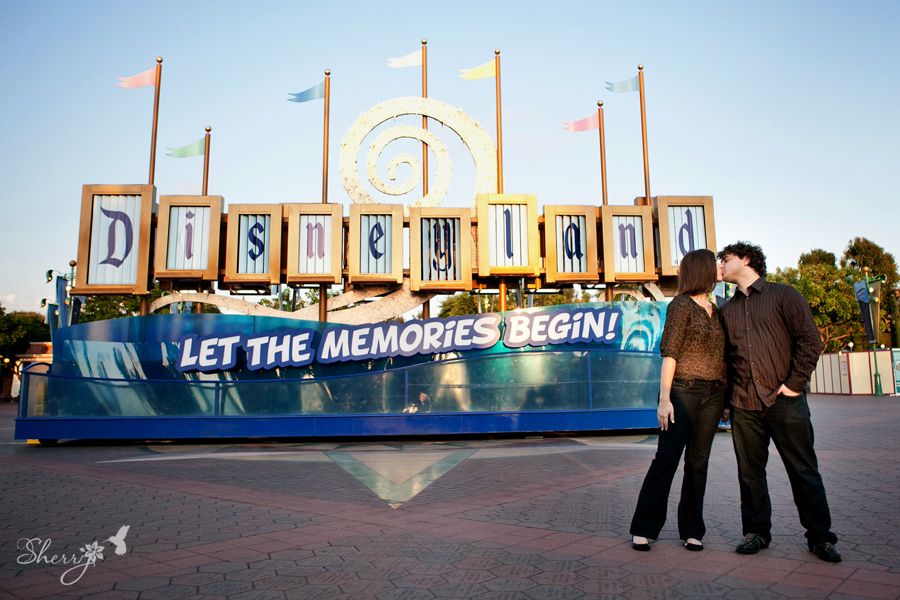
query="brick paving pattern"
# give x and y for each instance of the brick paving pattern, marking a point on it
(529, 519)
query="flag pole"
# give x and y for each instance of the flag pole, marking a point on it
(323, 288)
(602, 151)
(206, 145)
(196, 308)
(159, 61)
(426, 307)
(644, 136)
(499, 122)
(424, 118)
(502, 287)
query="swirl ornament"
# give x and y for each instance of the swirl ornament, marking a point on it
(473, 135)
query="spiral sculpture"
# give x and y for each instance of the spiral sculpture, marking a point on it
(473, 135)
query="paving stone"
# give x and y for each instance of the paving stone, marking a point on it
(169, 591)
(250, 574)
(487, 529)
(225, 588)
(142, 583)
(280, 583)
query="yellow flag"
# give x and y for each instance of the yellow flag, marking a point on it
(480, 72)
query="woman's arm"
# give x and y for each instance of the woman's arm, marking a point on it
(665, 412)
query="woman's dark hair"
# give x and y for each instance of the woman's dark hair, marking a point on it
(697, 272)
(757, 260)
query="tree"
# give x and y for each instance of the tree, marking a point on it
(861, 253)
(458, 305)
(18, 329)
(100, 308)
(831, 300)
(817, 256)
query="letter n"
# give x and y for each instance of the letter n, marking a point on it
(624, 241)
(316, 231)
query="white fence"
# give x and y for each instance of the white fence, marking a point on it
(853, 373)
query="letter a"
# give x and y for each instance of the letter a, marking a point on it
(572, 241)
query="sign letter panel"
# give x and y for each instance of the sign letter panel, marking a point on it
(570, 242)
(114, 242)
(685, 224)
(315, 243)
(376, 243)
(440, 241)
(187, 243)
(628, 243)
(508, 242)
(253, 253)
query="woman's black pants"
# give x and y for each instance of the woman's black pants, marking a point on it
(698, 408)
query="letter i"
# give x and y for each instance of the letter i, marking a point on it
(189, 236)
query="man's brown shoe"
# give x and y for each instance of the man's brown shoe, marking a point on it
(826, 551)
(751, 544)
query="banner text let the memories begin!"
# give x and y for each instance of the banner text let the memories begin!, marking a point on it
(298, 347)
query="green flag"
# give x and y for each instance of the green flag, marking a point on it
(198, 148)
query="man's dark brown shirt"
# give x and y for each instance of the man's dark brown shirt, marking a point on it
(770, 339)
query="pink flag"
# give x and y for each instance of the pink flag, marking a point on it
(591, 122)
(146, 78)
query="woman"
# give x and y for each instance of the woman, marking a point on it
(691, 402)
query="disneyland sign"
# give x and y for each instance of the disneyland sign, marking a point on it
(298, 347)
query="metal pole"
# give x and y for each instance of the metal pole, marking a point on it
(644, 136)
(502, 288)
(499, 122)
(207, 143)
(323, 288)
(878, 389)
(424, 118)
(602, 151)
(159, 61)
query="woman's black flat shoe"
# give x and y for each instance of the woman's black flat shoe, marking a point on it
(641, 547)
(693, 547)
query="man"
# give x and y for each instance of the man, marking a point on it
(771, 348)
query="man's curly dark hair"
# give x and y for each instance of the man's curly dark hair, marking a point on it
(747, 250)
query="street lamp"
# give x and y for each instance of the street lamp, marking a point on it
(873, 284)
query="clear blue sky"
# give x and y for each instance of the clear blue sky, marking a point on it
(785, 112)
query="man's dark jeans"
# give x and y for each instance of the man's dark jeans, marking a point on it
(787, 424)
(698, 408)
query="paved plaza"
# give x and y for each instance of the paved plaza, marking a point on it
(531, 517)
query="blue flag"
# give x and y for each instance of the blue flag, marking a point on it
(314, 93)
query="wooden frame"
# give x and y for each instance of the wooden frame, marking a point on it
(592, 274)
(661, 207)
(141, 244)
(357, 211)
(166, 203)
(533, 267)
(609, 262)
(273, 275)
(416, 214)
(293, 212)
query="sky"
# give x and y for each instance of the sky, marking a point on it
(784, 112)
